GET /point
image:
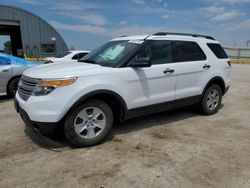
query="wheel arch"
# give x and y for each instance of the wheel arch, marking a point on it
(216, 80)
(12, 78)
(110, 97)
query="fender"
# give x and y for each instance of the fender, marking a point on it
(98, 92)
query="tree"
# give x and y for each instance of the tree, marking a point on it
(7, 47)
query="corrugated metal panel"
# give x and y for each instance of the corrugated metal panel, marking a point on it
(34, 30)
(9, 22)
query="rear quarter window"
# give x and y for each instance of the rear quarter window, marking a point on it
(217, 50)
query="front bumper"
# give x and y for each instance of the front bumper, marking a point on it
(49, 108)
(44, 128)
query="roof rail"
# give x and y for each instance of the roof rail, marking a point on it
(184, 34)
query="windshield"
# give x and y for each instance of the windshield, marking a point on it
(111, 53)
(63, 54)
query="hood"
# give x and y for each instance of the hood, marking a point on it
(61, 70)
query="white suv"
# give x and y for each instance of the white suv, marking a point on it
(126, 77)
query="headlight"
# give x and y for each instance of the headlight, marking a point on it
(45, 87)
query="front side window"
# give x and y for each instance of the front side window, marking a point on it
(187, 51)
(159, 51)
(112, 53)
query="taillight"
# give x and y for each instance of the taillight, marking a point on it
(229, 63)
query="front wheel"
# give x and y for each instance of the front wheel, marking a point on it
(211, 100)
(89, 123)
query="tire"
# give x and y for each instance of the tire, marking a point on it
(211, 100)
(12, 87)
(83, 129)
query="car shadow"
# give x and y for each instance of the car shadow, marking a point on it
(59, 141)
(53, 143)
(158, 119)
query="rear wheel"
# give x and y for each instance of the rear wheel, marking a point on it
(211, 100)
(12, 87)
(89, 123)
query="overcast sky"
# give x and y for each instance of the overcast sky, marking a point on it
(86, 24)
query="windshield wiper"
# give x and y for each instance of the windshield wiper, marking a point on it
(88, 61)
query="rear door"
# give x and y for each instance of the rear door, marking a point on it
(155, 84)
(191, 68)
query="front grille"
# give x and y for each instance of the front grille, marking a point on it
(26, 87)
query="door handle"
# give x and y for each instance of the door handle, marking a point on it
(5, 70)
(168, 70)
(206, 66)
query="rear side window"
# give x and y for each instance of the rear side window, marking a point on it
(187, 51)
(217, 50)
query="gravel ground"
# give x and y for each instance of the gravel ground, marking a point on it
(172, 149)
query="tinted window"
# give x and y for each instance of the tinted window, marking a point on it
(187, 51)
(217, 50)
(75, 56)
(81, 55)
(159, 52)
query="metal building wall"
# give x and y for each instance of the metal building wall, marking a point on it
(34, 30)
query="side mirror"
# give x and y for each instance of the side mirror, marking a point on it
(141, 62)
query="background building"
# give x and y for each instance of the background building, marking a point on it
(30, 36)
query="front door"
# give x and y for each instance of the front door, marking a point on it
(155, 84)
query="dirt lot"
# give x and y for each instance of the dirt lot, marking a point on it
(172, 149)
